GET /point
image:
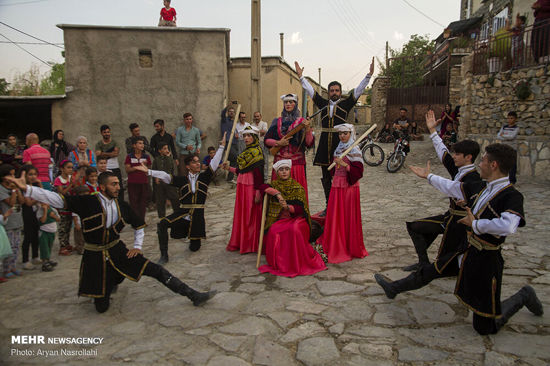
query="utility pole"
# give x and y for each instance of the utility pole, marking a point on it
(387, 60)
(282, 37)
(256, 58)
(319, 76)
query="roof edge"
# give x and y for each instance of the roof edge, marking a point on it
(148, 28)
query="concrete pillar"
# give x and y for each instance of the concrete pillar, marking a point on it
(256, 58)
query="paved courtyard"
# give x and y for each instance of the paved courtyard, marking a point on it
(337, 317)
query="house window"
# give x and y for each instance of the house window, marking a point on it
(145, 58)
(499, 21)
(484, 31)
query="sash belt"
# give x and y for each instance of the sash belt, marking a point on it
(100, 248)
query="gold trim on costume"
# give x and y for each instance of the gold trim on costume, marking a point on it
(481, 244)
(86, 230)
(100, 248)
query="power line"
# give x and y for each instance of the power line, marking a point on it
(426, 15)
(29, 35)
(36, 57)
(348, 7)
(23, 3)
(33, 43)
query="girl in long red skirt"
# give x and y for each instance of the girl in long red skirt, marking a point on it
(287, 249)
(248, 208)
(292, 148)
(342, 237)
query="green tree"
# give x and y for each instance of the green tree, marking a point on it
(407, 65)
(4, 90)
(27, 83)
(54, 83)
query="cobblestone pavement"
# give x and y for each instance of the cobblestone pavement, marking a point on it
(336, 317)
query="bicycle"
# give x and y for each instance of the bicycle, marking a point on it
(397, 157)
(373, 155)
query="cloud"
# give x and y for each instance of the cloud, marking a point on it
(295, 38)
(398, 36)
(371, 34)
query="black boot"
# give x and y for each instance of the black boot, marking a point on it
(421, 248)
(176, 285)
(101, 304)
(162, 233)
(194, 245)
(392, 288)
(526, 296)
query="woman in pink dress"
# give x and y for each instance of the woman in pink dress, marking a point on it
(287, 249)
(342, 237)
(291, 148)
(248, 207)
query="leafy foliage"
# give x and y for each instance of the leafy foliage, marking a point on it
(32, 83)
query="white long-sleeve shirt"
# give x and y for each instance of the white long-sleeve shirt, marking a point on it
(356, 92)
(441, 149)
(166, 178)
(109, 206)
(505, 225)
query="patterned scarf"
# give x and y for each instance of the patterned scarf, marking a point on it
(293, 193)
(251, 157)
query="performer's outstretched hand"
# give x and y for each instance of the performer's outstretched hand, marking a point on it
(468, 219)
(371, 69)
(20, 182)
(421, 171)
(431, 123)
(133, 252)
(299, 70)
(142, 168)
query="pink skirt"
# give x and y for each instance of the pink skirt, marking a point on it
(247, 217)
(298, 173)
(287, 250)
(342, 237)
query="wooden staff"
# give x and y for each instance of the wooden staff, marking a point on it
(354, 144)
(232, 134)
(262, 226)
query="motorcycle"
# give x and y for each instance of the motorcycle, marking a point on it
(398, 156)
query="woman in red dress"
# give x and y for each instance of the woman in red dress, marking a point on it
(248, 208)
(291, 148)
(287, 249)
(342, 237)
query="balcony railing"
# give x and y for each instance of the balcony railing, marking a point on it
(507, 50)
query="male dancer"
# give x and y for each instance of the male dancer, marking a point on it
(459, 164)
(188, 220)
(106, 260)
(335, 113)
(496, 212)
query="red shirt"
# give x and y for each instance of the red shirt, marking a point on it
(40, 158)
(137, 176)
(168, 15)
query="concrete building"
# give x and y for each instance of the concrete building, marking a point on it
(120, 75)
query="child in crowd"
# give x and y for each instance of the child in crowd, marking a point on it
(30, 223)
(138, 182)
(208, 158)
(91, 180)
(507, 135)
(63, 184)
(77, 232)
(102, 165)
(48, 217)
(164, 191)
(5, 247)
(167, 15)
(11, 197)
(449, 137)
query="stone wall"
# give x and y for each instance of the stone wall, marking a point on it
(379, 100)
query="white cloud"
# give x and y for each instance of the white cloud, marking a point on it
(295, 38)
(398, 36)
(371, 34)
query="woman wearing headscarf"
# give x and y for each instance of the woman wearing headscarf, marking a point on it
(287, 227)
(245, 233)
(342, 237)
(59, 150)
(291, 148)
(447, 117)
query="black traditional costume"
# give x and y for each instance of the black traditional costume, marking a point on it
(105, 263)
(187, 221)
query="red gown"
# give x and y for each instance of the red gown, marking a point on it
(342, 238)
(247, 215)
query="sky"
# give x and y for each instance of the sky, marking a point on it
(338, 36)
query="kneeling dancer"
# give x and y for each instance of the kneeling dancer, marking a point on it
(287, 249)
(188, 220)
(106, 261)
(497, 211)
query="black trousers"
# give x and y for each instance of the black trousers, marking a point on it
(423, 232)
(326, 180)
(30, 239)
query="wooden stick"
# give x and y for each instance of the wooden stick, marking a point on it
(262, 226)
(235, 120)
(354, 144)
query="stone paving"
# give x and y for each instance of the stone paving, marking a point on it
(336, 317)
